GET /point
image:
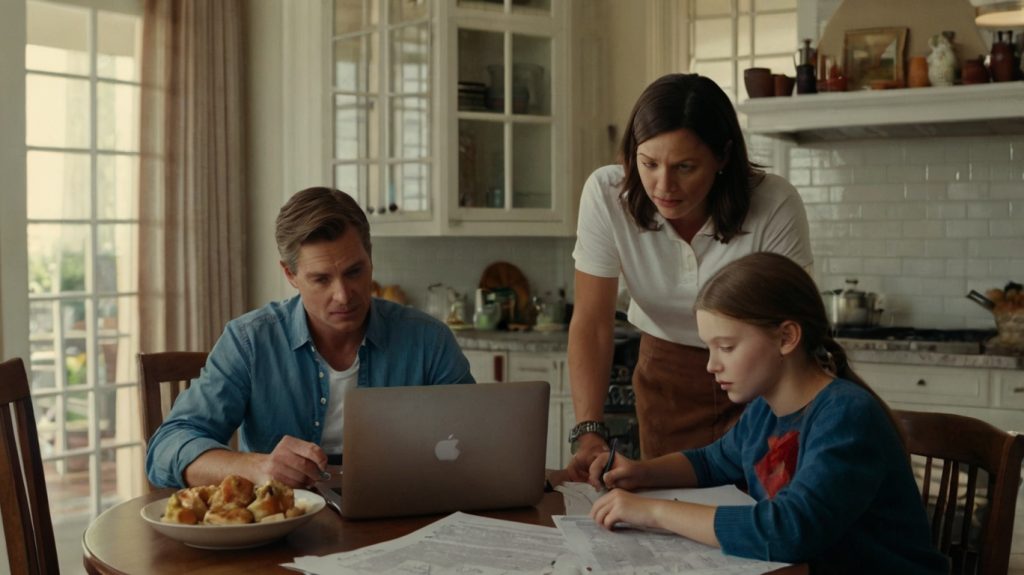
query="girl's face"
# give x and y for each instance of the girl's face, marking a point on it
(746, 360)
(677, 170)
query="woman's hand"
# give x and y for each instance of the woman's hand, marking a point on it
(622, 506)
(624, 474)
(590, 446)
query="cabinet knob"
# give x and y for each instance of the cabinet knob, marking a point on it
(1018, 390)
(922, 383)
(392, 207)
(370, 210)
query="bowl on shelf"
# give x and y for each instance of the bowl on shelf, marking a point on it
(759, 82)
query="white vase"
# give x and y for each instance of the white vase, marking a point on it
(941, 62)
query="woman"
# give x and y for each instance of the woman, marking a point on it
(817, 448)
(685, 202)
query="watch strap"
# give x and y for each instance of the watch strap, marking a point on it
(583, 427)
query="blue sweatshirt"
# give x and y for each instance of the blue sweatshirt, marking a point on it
(833, 487)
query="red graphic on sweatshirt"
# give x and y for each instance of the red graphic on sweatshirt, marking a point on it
(777, 466)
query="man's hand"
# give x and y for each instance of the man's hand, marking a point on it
(589, 447)
(294, 462)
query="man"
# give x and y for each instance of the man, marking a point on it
(279, 373)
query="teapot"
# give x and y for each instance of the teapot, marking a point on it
(852, 307)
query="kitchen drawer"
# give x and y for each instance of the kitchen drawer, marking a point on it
(929, 385)
(524, 366)
(487, 366)
(1009, 388)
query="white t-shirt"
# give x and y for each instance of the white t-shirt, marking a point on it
(663, 272)
(340, 382)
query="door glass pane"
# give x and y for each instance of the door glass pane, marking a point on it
(117, 177)
(409, 187)
(56, 257)
(122, 471)
(355, 63)
(353, 15)
(777, 64)
(57, 38)
(361, 182)
(56, 112)
(531, 166)
(115, 258)
(763, 5)
(118, 46)
(743, 36)
(720, 72)
(481, 63)
(713, 7)
(67, 480)
(355, 127)
(117, 119)
(531, 75)
(43, 316)
(481, 164)
(405, 10)
(775, 33)
(58, 185)
(714, 38)
(410, 59)
(491, 5)
(117, 320)
(539, 7)
(410, 128)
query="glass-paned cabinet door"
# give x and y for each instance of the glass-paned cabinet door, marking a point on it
(382, 105)
(505, 125)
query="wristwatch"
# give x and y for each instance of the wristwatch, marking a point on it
(583, 427)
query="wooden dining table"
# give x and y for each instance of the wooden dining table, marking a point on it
(119, 541)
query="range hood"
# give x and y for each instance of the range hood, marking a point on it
(980, 109)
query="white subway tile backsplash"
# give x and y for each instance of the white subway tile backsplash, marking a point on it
(877, 192)
(830, 176)
(946, 210)
(965, 228)
(944, 249)
(995, 248)
(925, 153)
(1007, 190)
(845, 265)
(923, 229)
(882, 153)
(956, 268)
(800, 177)
(903, 285)
(904, 248)
(968, 190)
(977, 268)
(927, 192)
(847, 156)
(902, 173)
(814, 195)
(988, 210)
(1007, 229)
(988, 151)
(875, 230)
(947, 172)
(920, 267)
(883, 266)
(869, 174)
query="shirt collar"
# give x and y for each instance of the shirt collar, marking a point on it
(298, 325)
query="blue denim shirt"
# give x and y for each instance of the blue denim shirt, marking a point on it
(265, 378)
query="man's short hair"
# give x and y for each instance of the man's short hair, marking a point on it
(315, 215)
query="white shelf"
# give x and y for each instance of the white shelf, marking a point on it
(982, 109)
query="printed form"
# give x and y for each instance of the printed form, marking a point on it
(458, 544)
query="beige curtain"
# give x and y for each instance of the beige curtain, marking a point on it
(192, 207)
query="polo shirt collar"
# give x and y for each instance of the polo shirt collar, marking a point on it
(298, 325)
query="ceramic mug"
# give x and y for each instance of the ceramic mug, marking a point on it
(758, 82)
(783, 84)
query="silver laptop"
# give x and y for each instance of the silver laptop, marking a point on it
(443, 448)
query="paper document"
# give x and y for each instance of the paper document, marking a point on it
(640, 552)
(459, 543)
(580, 497)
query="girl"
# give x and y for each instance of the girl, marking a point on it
(817, 448)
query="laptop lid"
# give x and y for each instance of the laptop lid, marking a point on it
(443, 448)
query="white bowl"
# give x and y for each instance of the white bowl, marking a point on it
(232, 536)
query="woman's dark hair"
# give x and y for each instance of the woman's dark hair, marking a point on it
(765, 289)
(693, 102)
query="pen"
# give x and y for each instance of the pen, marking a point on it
(611, 458)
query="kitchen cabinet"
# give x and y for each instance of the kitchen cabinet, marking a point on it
(452, 117)
(503, 366)
(981, 109)
(992, 395)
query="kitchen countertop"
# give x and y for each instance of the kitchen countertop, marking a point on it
(557, 342)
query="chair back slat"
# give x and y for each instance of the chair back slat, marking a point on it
(28, 530)
(162, 377)
(966, 445)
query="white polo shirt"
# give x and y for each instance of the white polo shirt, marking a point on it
(663, 272)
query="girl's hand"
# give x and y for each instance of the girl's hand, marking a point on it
(624, 474)
(622, 506)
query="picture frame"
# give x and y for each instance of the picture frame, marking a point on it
(874, 57)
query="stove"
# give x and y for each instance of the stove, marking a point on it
(960, 341)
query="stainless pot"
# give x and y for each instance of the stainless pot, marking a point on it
(851, 307)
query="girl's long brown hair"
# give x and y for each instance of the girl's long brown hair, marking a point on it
(765, 289)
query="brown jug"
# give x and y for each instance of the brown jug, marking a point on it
(975, 72)
(1001, 60)
(917, 75)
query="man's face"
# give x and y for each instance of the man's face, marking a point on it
(334, 279)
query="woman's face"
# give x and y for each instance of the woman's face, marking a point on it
(677, 170)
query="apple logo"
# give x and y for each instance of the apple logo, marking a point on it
(447, 449)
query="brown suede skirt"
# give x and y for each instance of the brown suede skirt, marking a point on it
(678, 405)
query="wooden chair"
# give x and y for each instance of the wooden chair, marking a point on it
(962, 446)
(168, 372)
(24, 505)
